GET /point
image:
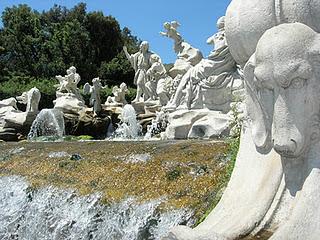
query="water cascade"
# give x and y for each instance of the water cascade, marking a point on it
(51, 213)
(48, 123)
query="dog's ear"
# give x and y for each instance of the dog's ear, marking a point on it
(314, 54)
(259, 107)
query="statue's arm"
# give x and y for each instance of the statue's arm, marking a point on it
(59, 78)
(164, 34)
(211, 40)
(129, 57)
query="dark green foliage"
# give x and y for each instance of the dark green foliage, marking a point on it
(34, 47)
(117, 70)
(15, 85)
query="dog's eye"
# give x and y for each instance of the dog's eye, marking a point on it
(298, 83)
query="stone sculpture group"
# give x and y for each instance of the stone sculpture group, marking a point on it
(265, 51)
(202, 90)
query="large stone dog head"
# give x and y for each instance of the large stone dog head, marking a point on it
(283, 85)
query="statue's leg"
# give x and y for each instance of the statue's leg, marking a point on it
(140, 87)
(178, 94)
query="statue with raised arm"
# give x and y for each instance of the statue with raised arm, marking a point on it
(69, 98)
(187, 56)
(140, 62)
(172, 32)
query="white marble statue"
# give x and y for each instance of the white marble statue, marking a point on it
(140, 62)
(69, 99)
(69, 83)
(172, 32)
(94, 91)
(158, 81)
(275, 183)
(187, 56)
(247, 20)
(119, 95)
(215, 73)
(31, 99)
(12, 117)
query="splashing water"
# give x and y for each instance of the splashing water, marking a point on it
(49, 213)
(49, 122)
(158, 125)
(129, 127)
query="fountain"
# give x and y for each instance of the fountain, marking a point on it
(48, 123)
(158, 125)
(129, 127)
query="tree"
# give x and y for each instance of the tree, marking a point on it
(105, 37)
(42, 45)
(21, 38)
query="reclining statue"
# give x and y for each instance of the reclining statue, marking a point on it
(216, 72)
(275, 183)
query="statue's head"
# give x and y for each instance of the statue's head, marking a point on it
(96, 81)
(220, 23)
(167, 25)
(155, 58)
(144, 46)
(123, 86)
(72, 69)
(283, 85)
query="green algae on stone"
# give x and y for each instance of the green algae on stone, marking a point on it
(187, 173)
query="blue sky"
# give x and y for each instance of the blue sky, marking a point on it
(146, 17)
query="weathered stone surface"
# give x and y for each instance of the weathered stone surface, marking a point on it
(69, 103)
(200, 123)
(214, 125)
(12, 118)
(18, 120)
(8, 134)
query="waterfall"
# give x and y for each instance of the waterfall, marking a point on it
(49, 122)
(129, 127)
(52, 214)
